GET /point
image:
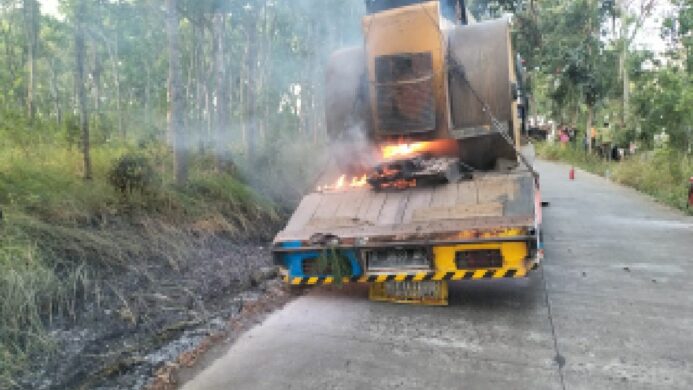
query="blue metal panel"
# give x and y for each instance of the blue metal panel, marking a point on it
(294, 260)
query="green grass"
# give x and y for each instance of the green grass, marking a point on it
(662, 174)
(59, 232)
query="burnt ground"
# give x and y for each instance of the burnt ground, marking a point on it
(140, 320)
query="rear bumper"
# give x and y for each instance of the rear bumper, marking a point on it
(503, 273)
(520, 253)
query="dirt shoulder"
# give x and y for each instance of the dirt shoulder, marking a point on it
(147, 320)
(257, 304)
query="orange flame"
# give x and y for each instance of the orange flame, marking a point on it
(359, 181)
(342, 183)
(403, 150)
(440, 147)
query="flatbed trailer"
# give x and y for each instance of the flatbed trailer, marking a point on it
(485, 227)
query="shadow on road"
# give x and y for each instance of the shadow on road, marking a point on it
(486, 295)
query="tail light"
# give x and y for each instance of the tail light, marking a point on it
(475, 259)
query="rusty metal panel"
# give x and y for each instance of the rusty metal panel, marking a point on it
(404, 89)
(484, 51)
(482, 152)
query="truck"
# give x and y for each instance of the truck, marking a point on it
(429, 181)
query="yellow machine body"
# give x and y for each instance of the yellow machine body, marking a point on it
(408, 30)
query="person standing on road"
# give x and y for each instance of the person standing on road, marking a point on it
(564, 138)
(607, 141)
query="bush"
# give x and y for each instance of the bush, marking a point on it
(662, 174)
(130, 173)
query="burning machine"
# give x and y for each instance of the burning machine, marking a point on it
(439, 189)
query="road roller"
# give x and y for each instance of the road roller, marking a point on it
(429, 182)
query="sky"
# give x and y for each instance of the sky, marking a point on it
(648, 37)
(49, 7)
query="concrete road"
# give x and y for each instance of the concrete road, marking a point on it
(612, 308)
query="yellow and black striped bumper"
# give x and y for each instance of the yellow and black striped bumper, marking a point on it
(416, 277)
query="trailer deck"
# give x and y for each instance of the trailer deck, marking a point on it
(408, 243)
(489, 201)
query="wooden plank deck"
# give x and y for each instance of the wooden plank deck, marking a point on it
(490, 200)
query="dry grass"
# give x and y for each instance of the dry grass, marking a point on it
(60, 233)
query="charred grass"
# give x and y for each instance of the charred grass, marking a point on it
(62, 238)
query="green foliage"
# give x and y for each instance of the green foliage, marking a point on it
(571, 50)
(663, 101)
(333, 262)
(580, 61)
(131, 172)
(663, 174)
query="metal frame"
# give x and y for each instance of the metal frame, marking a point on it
(375, 6)
(390, 244)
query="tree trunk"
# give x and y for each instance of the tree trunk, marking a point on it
(302, 109)
(191, 82)
(195, 77)
(31, 20)
(55, 94)
(242, 87)
(262, 58)
(251, 66)
(265, 73)
(209, 110)
(588, 131)
(176, 102)
(147, 95)
(116, 76)
(81, 89)
(96, 76)
(222, 95)
(626, 84)
(622, 72)
(574, 117)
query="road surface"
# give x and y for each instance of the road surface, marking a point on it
(611, 308)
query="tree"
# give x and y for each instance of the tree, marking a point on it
(80, 50)
(240, 64)
(31, 26)
(176, 102)
(629, 26)
(663, 98)
(563, 42)
(222, 154)
(250, 119)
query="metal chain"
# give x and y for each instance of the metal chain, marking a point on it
(495, 123)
